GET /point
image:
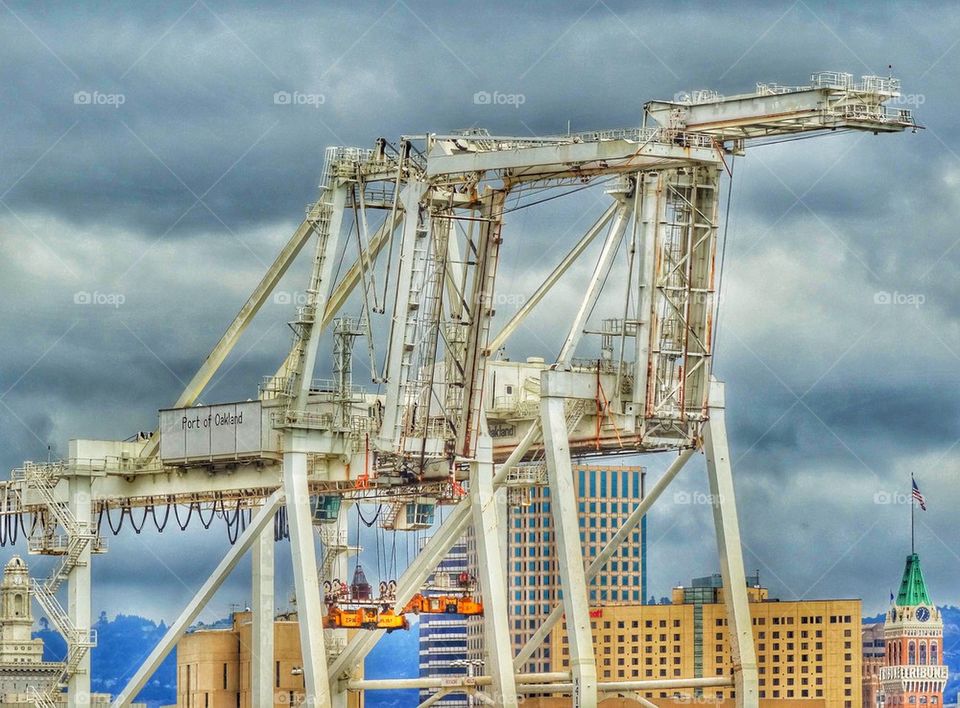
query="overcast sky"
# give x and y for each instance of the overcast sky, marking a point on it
(145, 160)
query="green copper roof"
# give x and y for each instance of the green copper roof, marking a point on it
(913, 591)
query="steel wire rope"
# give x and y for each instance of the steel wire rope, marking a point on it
(393, 557)
(12, 532)
(9, 535)
(356, 563)
(166, 517)
(723, 256)
(370, 523)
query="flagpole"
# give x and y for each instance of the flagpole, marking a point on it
(913, 504)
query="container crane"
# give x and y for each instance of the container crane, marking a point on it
(446, 423)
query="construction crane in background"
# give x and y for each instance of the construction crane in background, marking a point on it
(444, 421)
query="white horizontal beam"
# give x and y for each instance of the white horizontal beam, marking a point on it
(610, 156)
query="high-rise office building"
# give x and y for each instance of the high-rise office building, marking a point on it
(443, 638)
(605, 495)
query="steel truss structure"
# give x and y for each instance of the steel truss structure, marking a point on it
(425, 222)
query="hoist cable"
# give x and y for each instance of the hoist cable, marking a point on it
(723, 255)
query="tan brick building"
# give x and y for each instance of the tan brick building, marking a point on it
(213, 666)
(807, 651)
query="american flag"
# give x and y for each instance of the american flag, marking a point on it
(918, 496)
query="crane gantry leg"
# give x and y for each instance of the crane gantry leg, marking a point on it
(739, 624)
(563, 504)
(79, 593)
(307, 587)
(496, 625)
(262, 607)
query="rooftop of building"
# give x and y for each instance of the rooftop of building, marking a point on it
(913, 588)
(708, 589)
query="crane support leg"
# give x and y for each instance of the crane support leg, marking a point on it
(496, 625)
(719, 472)
(262, 606)
(306, 585)
(563, 503)
(79, 591)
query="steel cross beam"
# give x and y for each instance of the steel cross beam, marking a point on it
(610, 247)
(229, 339)
(552, 279)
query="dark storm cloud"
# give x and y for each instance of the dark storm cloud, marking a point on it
(179, 196)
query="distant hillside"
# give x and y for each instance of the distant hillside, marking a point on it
(122, 644)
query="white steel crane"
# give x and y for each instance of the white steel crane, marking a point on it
(424, 221)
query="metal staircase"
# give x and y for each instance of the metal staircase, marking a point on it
(41, 481)
(41, 700)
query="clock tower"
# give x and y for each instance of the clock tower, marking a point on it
(913, 671)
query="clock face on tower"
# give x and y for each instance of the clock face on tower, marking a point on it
(923, 614)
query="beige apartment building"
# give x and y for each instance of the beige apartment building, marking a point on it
(213, 666)
(808, 652)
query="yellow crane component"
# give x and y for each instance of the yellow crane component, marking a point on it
(444, 604)
(364, 617)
